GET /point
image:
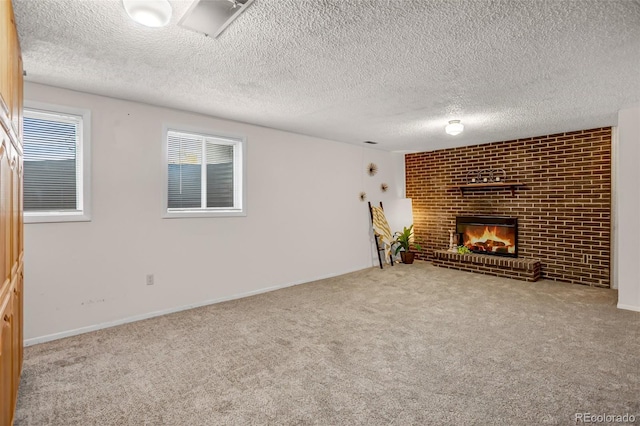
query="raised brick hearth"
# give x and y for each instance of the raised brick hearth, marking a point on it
(518, 268)
(563, 208)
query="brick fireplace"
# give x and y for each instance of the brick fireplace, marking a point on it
(563, 209)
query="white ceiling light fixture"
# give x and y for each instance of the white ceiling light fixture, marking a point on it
(454, 127)
(150, 13)
(211, 17)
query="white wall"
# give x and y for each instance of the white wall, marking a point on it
(628, 209)
(305, 221)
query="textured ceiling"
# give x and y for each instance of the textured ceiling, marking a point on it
(392, 71)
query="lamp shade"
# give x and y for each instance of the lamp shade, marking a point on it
(454, 127)
(150, 13)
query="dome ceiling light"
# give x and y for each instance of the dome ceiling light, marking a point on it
(454, 127)
(150, 13)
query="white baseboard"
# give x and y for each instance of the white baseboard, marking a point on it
(87, 329)
(629, 307)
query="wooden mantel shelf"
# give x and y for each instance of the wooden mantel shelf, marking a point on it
(490, 185)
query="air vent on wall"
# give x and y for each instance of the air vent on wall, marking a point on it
(211, 17)
(371, 142)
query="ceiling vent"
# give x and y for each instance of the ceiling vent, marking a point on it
(211, 17)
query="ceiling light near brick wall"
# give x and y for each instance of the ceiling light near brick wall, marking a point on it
(454, 127)
(150, 13)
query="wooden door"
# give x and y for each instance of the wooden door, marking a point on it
(21, 209)
(6, 355)
(14, 165)
(19, 316)
(5, 54)
(15, 71)
(20, 95)
(16, 339)
(5, 209)
(11, 206)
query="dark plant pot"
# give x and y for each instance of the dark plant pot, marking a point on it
(407, 257)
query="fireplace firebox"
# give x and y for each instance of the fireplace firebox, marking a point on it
(489, 234)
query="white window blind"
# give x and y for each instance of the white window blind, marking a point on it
(204, 173)
(185, 171)
(52, 162)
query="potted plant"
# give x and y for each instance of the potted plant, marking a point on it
(406, 243)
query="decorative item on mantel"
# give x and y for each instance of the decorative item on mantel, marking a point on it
(486, 176)
(498, 175)
(494, 179)
(452, 241)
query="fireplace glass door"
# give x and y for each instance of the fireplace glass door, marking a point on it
(489, 234)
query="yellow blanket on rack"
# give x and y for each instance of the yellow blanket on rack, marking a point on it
(382, 230)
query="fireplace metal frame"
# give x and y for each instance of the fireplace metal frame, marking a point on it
(511, 222)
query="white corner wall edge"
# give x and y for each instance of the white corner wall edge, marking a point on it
(629, 307)
(627, 208)
(96, 327)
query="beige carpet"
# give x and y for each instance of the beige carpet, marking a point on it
(411, 344)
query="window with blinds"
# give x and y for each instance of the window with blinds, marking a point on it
(53, 163)
(204, 174)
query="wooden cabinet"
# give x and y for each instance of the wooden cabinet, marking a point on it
(16, 213)
(10, 71)
(5, 209)
(5, 69)
(6, 361)
(11, 216)
(18, 309)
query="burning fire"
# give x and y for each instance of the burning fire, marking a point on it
(496, 239)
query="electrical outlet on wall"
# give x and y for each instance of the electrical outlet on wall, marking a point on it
(150, 279)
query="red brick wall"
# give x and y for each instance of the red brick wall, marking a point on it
(564, 210)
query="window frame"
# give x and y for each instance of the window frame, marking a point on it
(83, 175)
(239, 163)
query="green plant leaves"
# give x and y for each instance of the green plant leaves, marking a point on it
(403, 239)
